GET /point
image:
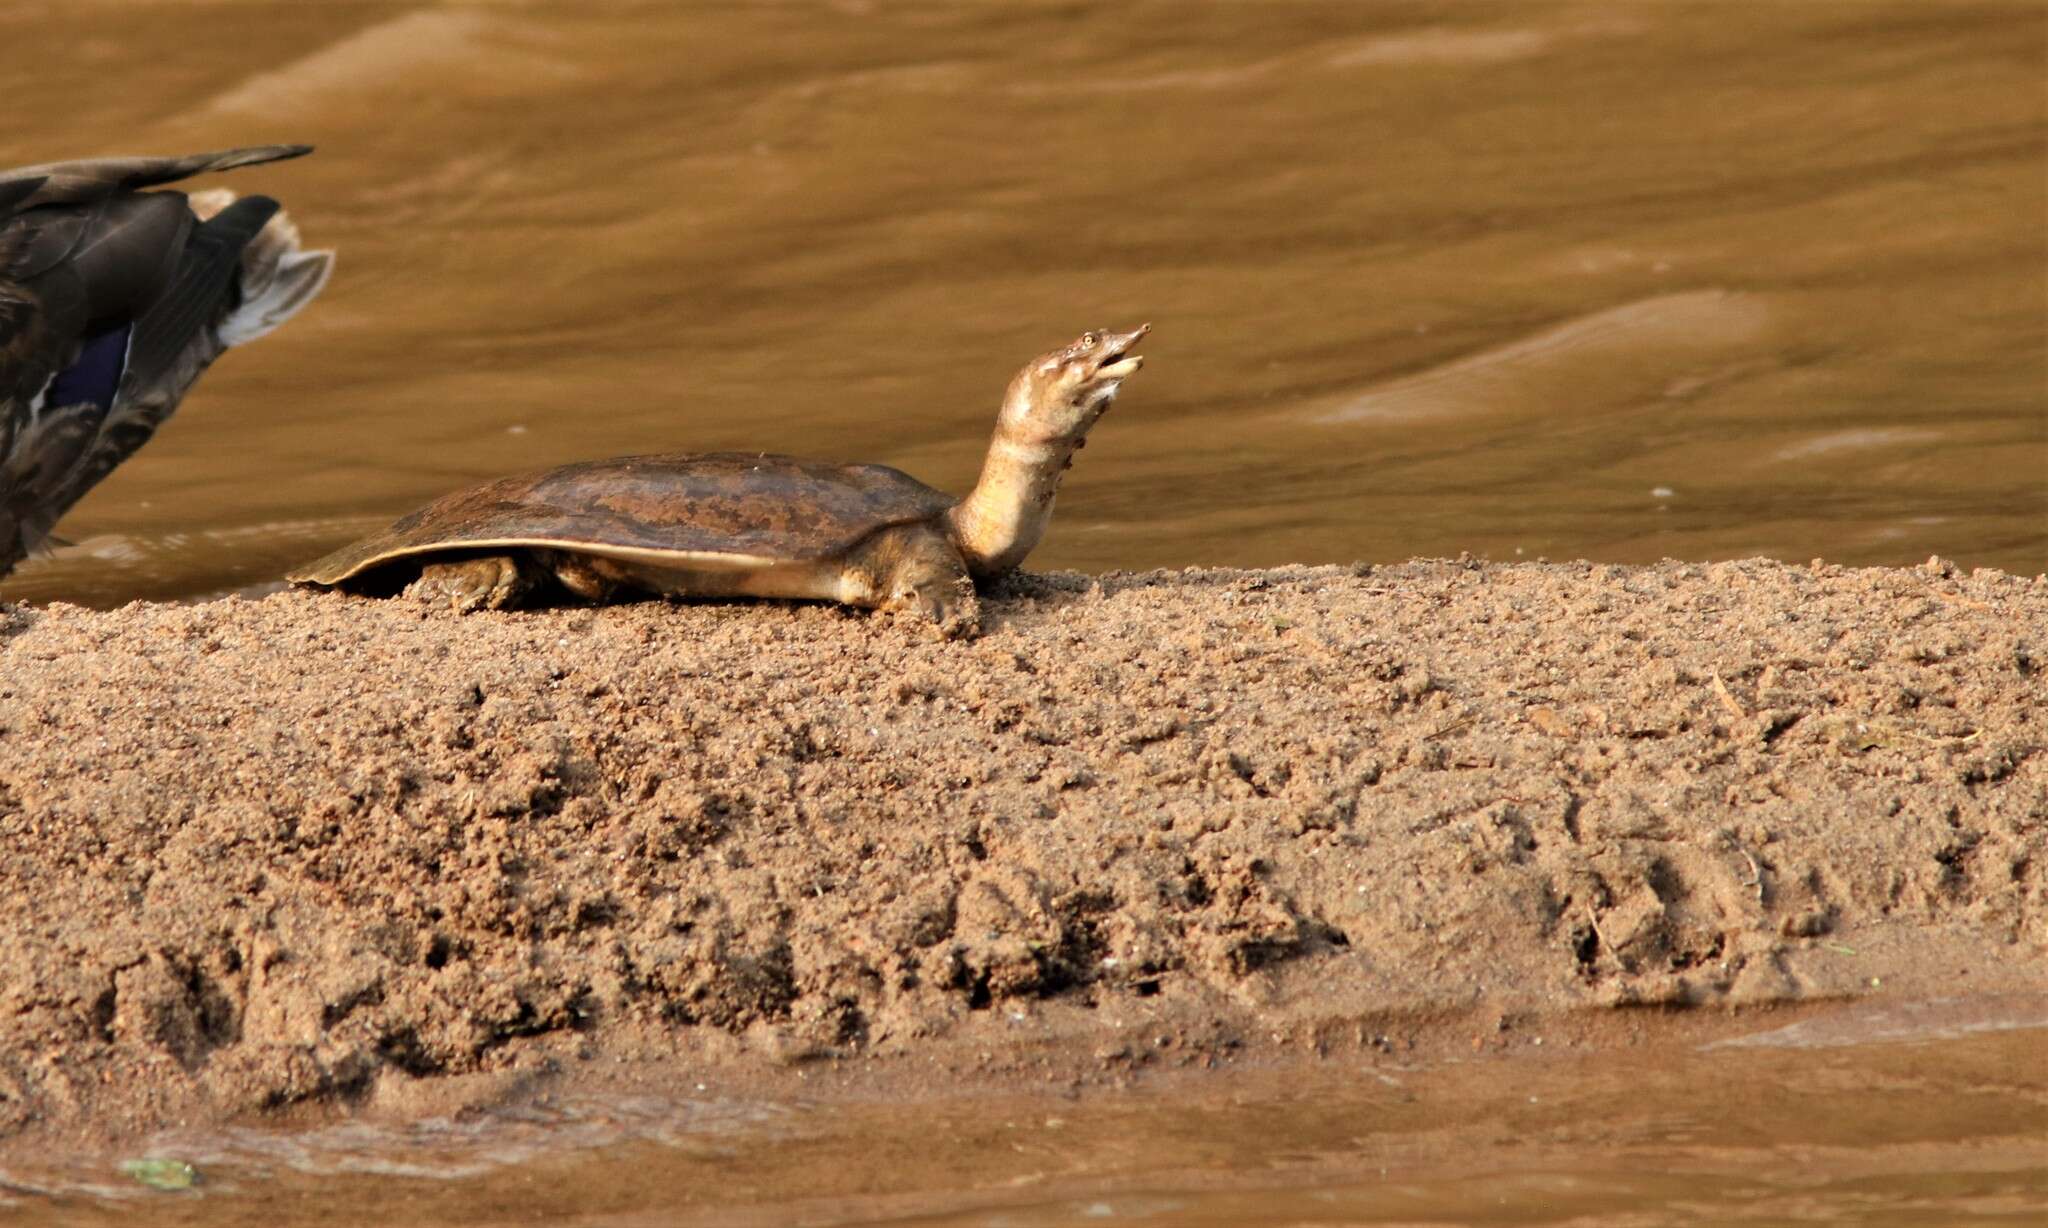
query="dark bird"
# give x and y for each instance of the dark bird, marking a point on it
(112, 301)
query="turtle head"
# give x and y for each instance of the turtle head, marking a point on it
(1046, 416)
(1059, 395)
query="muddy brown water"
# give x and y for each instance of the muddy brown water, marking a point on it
(1614, 281)
(1905, 1113)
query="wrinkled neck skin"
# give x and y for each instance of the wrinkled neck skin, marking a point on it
(999, 523)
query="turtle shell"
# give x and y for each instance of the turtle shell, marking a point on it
(735, 510)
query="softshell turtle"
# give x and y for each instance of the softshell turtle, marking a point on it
(754, 524)
(112, 301)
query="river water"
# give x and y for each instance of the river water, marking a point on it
(1618, 281)
(1885, 1113)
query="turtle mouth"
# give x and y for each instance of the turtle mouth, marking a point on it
(1112, 363)
(1116, 366)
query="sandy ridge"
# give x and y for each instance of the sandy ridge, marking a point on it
(317, 850)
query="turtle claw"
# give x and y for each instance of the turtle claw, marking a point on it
(494, 582)
(957, 619)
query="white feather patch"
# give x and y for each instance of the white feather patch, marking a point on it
(292, 283)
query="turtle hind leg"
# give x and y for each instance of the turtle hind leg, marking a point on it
(922, 575)
(591, 579)
(490, 582)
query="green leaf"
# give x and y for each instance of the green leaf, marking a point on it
(160, 1174)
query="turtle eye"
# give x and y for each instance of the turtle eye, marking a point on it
(1087, 338)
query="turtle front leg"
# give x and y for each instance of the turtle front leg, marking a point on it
(939, 592)
(493, 582)
(920, 573)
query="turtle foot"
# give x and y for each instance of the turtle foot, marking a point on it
(494, 582)
(916, 572)
(948, 606)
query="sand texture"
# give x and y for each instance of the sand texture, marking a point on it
(315, 850)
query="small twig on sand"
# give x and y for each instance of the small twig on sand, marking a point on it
(1756, 874)
(1451, 728)
(1721, 689)
(1593, 919)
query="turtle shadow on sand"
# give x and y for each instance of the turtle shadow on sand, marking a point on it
(15, 619)
(1066, 587)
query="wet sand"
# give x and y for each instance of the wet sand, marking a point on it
(278, 858)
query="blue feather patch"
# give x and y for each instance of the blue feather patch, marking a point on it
(96, 376)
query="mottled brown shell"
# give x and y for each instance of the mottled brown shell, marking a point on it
(743, 509)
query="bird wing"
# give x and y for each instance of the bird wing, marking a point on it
(108, 300)
(93, 178)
